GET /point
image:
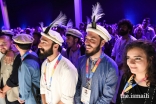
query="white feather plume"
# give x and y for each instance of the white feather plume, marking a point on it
(41, 24)
(70, 24)
(60, 20)
(88, 20)
(97, 12)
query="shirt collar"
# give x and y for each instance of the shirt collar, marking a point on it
(54, 59)
(95, 60)
(26, 53)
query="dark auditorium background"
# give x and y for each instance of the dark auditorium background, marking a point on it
(30, 12)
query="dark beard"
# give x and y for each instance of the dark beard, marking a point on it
(94, 51)
(123, 32)
(6, 51)
(47, 53)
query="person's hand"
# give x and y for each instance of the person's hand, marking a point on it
(20, 101)
(1, 91)
(2, 95)
(9, 57)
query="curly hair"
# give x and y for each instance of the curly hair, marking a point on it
(125, 22)
(150, 51)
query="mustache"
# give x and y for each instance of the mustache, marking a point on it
(88, 46)
(122, 30)
(41, 49)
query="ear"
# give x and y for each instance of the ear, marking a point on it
(55, 47)
(16, 46)
(129, 30)
(76, 40)
(12, 45)
(11, 42)
(151, 58)
(102, 43)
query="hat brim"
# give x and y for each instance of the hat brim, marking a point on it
(75, 33)
(22, 42)
(70, 33)
(49, 37)
(100, 31)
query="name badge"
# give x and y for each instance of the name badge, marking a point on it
(48, 96)
(85, 95)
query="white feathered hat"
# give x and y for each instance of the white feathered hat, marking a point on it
(93, 27)
(54, 35)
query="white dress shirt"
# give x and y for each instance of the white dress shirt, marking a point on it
(1, 55)
(119, 47)
(64, 80)
(148, 33)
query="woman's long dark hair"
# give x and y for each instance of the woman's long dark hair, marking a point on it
(150, 51)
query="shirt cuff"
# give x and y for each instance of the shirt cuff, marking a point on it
(20, 96)
(42, 91)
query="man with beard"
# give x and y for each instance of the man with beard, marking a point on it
(58, 75)
(29, 70)
(75, 49)
(9, 72)
(125, 28)
(97, 72)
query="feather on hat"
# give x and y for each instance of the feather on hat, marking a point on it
(94, 27)
(53, 35)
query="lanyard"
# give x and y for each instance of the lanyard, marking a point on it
(128, 86)
(94, 68)
(58, 60)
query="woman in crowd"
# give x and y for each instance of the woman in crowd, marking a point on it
(138, 83)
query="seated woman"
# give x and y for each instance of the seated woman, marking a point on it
(138, 84)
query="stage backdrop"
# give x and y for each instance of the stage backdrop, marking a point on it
(30, 12)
